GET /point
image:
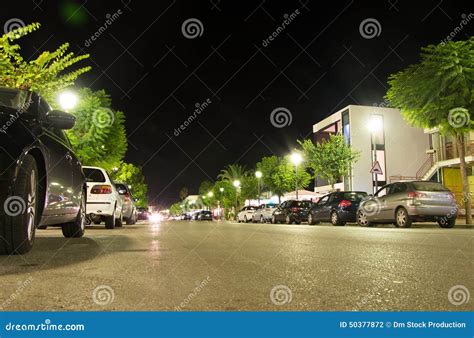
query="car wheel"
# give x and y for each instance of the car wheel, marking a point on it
(274, 221)
(119, 221)
(245, 219)
(335, 220)
(262, 220)
(19, 212)
(96, 222)
(402, 218)
(129, 221)
(77, 227)
(362, 219)
(450, 223)
(288, 219)
(110, 221)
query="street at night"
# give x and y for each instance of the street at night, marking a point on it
(189, 265)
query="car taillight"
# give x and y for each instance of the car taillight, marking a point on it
(416, 194)
(295, 209)
(127, 196)
(101, 189)
(344, 203)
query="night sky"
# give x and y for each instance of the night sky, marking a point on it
(318, 64)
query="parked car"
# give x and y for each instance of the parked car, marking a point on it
(41, 181)
(104, 203)
(402, 203)
(143, 214)
(264, 213)
(203, 215)
(338, 207)
(186, 216)
(128, 205)
(245, 214)
(292, 211)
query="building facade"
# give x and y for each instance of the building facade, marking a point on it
(378, 134)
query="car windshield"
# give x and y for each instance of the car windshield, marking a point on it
(429, 186)
(11, 98)
(271, 206)
(354, 196)
(301, 204)
(93, 175)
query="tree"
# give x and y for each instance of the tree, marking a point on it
(176, 209)
(183, 193)
(268, 166)
(249, 186)
(284, 178)
(438, 92)
(232, 172)
(45, 74)
(228, 196)
(132, 175)
(98, 137)
(330, 159)
(204, 188)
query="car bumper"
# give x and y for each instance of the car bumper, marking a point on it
(100, 208)
(347, 216)
(432, 211)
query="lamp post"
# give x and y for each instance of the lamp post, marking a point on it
(374, 126)
(258, 175)
(296, 159)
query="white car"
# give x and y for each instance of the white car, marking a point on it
(264, 213)
(245, 214)
(103, 200)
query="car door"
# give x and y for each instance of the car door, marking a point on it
(394, 198)
(319, 207)
(382, 212)
(59, 160)
(279, 212)
(327, 207)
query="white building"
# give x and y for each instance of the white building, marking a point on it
(400, 149)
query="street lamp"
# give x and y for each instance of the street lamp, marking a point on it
(67, 100)
(221, 189)
(296, 159)
(210, 194)
(236, 184)
(374, 125)
(258, 175)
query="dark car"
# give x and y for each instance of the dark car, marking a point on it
(41, 180)
(292, 211)
(187, 216)
(338, 207)
(143, 214)
(203, 215)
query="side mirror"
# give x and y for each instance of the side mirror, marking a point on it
(60, 120)
(121, 191)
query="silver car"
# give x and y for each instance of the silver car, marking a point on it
(129, 211)
(402, 203)
(264, 213)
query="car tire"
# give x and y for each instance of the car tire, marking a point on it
(262, 220)
(288, 219)
(402, 218)
(77, 228)
(245, 219)
(362, 219)
(119, 221)
(96, 222)
(447, 224)
(335, 220)
(274, 221)
(110, 221)
(17, 229)
(129, 221)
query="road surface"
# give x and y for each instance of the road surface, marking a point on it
(190, 265)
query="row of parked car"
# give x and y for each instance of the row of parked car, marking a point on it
(400, 203)
(42, 182)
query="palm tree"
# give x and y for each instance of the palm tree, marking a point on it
(232, 172)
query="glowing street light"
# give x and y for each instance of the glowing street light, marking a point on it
(210, 194)
(236, 183)
(67, 100)
(258, 175)
(296, 159)
(221, 189)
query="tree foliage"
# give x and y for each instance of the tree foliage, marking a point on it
(232, 172)
(329, 159)
(47, 74)
(284, 178)
(131, 175)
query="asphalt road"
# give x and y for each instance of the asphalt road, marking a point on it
(180, 265)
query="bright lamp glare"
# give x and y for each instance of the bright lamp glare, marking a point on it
(296, 158)
(236, 183)
(375, 124)
(67, 100)
(258, 174)
(210, 194)
(155, 218)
